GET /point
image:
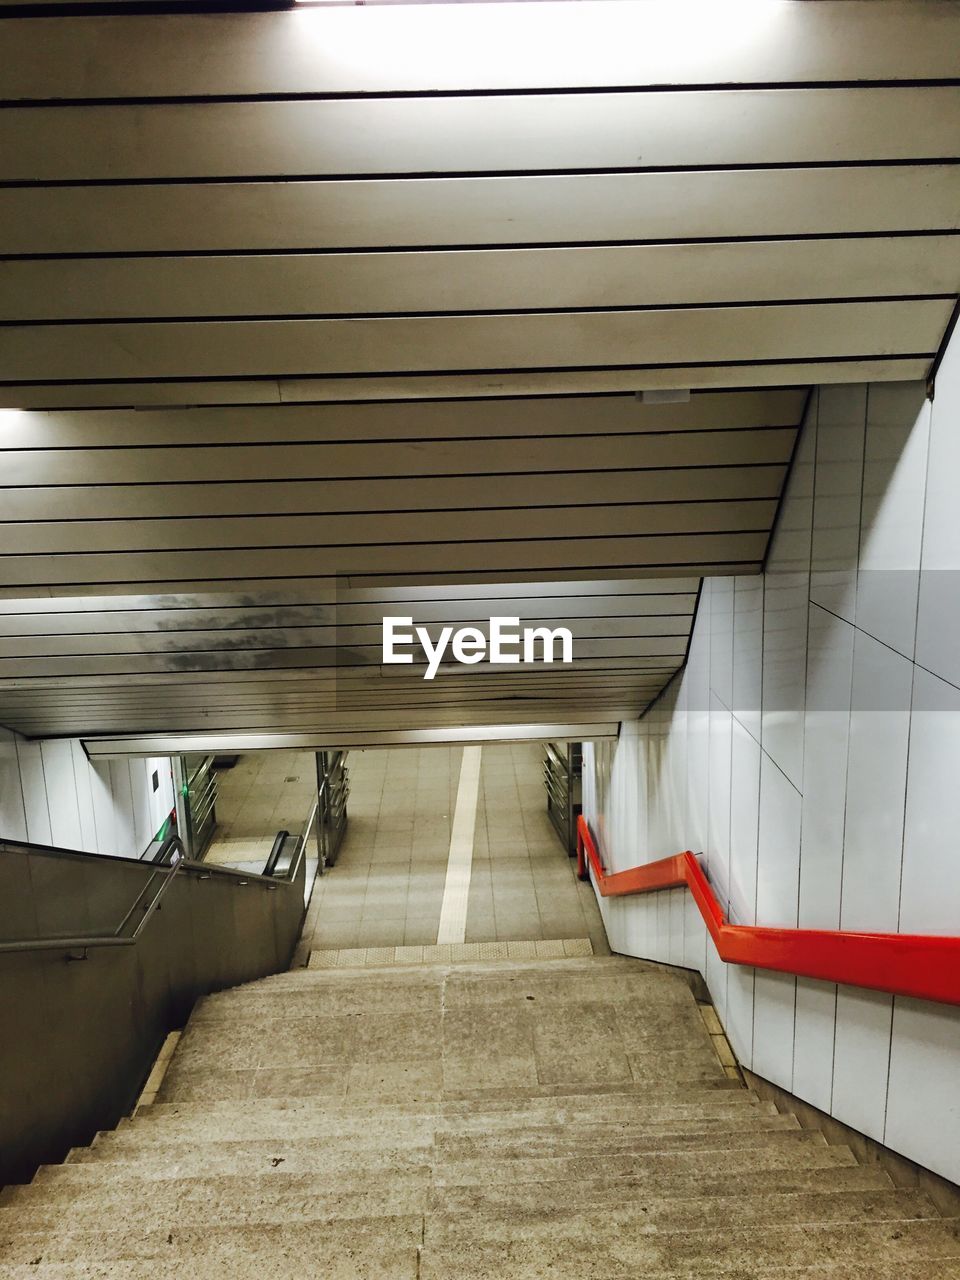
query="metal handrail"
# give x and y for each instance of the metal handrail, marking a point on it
(305, 831)
(280, 840)
(178, 862)
(165, 851)
(118, 938)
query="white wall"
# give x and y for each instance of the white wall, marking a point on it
(811, 751)
(50, 793)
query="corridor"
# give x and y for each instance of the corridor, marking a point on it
(387, 888)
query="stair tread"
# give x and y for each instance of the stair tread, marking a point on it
(306, 1157)
(446, 1150)
(699, 1103)
(569, 1251)
(443, 1128)
(551, 1253)
(465, 1120)
(309, 1198)
(286, 1268)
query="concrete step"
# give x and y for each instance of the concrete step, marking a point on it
(655, 1165)
(448, 953)
(461, 1031)
(306, 1155)
(451, 1147)
(287, 1268)
(589, 1135)
(667, 1091)
(699, 1100)
(476, 1144)
(521, 1251)
(715, 1108)
(347, 1250)
(594, 964)
(781, 1150)
(314, 1123)
(490, 1111)
(322, 1047)
(534, 1121)
(694, 1181)
(563, 982)
(667, 1022)
(374, 1084)
(835, 1191)
(365, 1093)
(444, 1147)
(562, 1110)
(275, 1201)
(521, 1246)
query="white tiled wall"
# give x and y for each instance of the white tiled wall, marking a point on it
(50, 793)
(811, 751)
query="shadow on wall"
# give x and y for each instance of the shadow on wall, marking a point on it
(79, 1038)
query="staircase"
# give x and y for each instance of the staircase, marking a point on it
(503, 1119)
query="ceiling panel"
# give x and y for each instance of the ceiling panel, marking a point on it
(414, 50)
(340, 736)
(140, 394)
(717, 335)
(264, 217)
(341, 311)
(345, 284)
(72, 666)
(514, 133)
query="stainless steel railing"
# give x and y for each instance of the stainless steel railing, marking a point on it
(168, 863)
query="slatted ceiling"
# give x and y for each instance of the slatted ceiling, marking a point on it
(362, 641)
(662, 648)
(230, 661)
(448, 49)
(263, 636)
(141, 394)
(448, 493)
(413, 562)
(430, 376)
(168, 690)
(499, 134)
(264, 217)
(595, 598)
(338, 734)
(318, 740)
(436, 581)
(345, 734)
(288, 532)
(583, 704)
(16, 650)
(339, 591)
(76, 633)
(398, 421)
(290, 347)
(402, 459)
(474, 280)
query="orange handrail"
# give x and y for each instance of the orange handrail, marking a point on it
(919, 965)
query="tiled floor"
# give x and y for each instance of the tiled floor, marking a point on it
(387, 887)
(265, 792)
